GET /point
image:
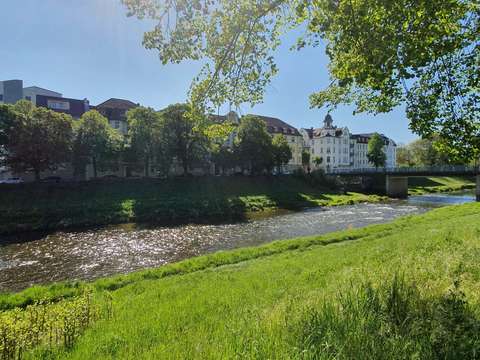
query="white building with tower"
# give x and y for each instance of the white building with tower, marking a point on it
(333, 147)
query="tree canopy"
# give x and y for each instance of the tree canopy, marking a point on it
(96, 143)
(253, 145)
(382, 54)
(39, 139)
(188, 142)
(144, 127)
(281, 151)
(375, 153)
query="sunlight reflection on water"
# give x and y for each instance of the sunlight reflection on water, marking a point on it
(95, 253)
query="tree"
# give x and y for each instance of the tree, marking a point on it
(375, 153)
(318, 161)
(404, 156)
(40, 139)
(281, 151)
(143, 131)
(8, 117)
(253, 145)
(224, 158)
(305, 159)
(189, 143)
(382, 54)
(423, 152)
(96, 143)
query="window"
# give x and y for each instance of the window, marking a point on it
(116, 124)
(58, 105)
(328, 150)
(328, 159)
(1, 97)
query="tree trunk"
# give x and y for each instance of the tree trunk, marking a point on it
(185, 167)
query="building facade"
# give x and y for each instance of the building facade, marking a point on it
(30, 93)
(115, 110)
(332, 147)
(73, 107)
(293, 136)
(360, 145)
(11, 91)
(329, 145)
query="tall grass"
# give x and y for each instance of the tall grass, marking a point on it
(393, 321)
(48, 326)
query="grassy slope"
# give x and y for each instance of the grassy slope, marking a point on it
(45, 207)
(425, 185)
(255, 308)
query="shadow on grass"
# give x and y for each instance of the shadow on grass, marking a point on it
(47, 207)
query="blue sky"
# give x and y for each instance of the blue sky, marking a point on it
(90, 49)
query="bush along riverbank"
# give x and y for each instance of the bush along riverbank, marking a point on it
(406, 289)
(429, 185)
(197, 200)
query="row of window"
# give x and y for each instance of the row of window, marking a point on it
(328, 151)
(329, 141)
(58, 105)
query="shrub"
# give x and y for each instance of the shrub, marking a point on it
(46, 326)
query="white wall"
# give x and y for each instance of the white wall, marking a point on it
(33, 91)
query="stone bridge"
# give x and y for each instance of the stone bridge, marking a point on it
(396, 179)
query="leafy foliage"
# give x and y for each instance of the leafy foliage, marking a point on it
(253, 145)
(305, 158)
(143, 131)
(96, 143)
(318, 160)
(39, 140)
(282, 153)
(44, 327)
(422, 152)
(382, 53)
(187, 141)
(375, 153)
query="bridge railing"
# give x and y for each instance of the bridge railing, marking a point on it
(447, 169)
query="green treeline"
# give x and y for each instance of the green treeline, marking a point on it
(37, 139)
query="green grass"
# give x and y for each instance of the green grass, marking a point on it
(51, 207)
(426, 185)
(407, 289)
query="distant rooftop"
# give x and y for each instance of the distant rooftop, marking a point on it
(117, 104)
(275, 125)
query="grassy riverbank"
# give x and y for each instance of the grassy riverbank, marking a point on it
(50, 207)
(407, 289)
(427, 185)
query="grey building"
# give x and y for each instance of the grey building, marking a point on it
(11, 91)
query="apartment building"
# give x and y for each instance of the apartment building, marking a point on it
(335, 147)
(115, 110)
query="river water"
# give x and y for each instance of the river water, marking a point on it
(90, 254)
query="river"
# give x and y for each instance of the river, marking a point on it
(90, 254)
